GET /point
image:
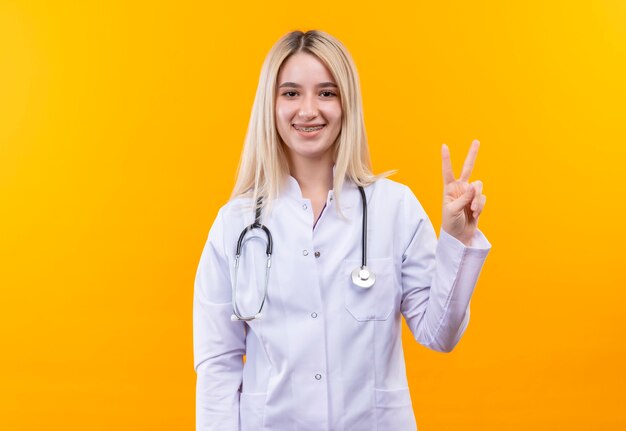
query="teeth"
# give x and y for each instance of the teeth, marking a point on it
(308, 129)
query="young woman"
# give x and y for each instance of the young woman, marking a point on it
(309, 266)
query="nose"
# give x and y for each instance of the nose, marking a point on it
(308, 107)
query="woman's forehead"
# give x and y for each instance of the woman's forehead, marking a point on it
(304, 69)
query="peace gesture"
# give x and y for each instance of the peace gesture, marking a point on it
(462, 201)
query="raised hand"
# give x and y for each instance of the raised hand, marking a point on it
(463, 201)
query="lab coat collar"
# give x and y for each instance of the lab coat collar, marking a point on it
(349, 192)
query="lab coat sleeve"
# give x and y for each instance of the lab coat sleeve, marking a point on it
(219, 343)
(438, 279)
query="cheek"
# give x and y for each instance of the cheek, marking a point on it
(337, 123)
(280, 118)
(282, 122)
(283, 112)
(336, 113)
(278, 113)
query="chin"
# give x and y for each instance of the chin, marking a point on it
(310, 153)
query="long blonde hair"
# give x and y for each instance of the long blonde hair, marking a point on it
(263, 165)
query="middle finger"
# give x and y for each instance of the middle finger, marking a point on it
(469, 161)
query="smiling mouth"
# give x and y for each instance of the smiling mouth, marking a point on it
(309, 128)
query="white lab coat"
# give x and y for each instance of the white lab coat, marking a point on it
(326, 355)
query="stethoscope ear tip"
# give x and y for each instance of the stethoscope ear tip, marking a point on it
(233, 317)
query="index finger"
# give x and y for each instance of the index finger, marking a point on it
(469, 161)
(448, 175)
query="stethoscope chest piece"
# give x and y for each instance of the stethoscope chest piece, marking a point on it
(363, 277)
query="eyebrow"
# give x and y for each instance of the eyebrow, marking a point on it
(294, 85)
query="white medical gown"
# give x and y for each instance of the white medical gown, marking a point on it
(326, 355)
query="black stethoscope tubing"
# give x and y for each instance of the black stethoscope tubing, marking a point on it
(361, 276)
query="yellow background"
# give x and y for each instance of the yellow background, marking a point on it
(121, 125)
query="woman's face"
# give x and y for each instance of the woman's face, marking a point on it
(308, 107)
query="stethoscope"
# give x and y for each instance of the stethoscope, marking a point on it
(361, 276)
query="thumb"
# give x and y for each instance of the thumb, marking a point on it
(463, 200)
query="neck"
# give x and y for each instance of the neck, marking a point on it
(313, 175)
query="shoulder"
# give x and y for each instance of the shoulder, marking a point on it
(385, 188)
(236, 209)
(234, 212)
(399, 195)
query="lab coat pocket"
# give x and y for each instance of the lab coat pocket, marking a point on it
(252, 410)
(376, 302)
(394, 410)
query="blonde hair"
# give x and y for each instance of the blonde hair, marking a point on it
(264, 165)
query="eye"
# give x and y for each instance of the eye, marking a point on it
(328, 93)
(289, 93)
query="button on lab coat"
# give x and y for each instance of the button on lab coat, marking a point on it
(326, 354)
